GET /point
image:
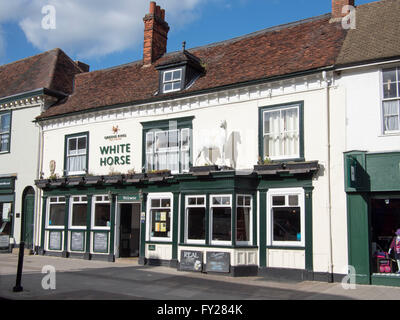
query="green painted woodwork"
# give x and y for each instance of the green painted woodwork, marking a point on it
(66, 216)
(385, 280)
(112, 223)
(44, 206)
(175, 224)
(262, 229)
(308, 229)
(29, 209)
(358, 236)
(88, 221)
(254, 213)
(384, 171)
(142, 249)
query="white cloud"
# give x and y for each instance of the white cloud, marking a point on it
(91, 28)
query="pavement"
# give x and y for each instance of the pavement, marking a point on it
(77, 279)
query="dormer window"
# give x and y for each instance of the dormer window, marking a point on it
(172, 80)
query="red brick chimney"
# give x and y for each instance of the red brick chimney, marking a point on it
(155, 34)
(337, 8)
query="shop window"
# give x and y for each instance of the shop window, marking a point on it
(76, 154)
(286, 217)
(78, 215)
(101, 217)
(5, 131)
(5, 217)
(56, 212)
(195, 219)
(281, 132)
(172, 80)
(243, 219)
(391, 100)
(221, 219)
(160, 217)
(167, 145)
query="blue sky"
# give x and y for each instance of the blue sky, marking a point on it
(107, 33)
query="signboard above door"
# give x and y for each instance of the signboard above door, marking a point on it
(128, 198)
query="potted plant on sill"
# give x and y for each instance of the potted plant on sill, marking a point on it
(92, 179)
(205, 169)
(268, 165)
(75, 180)
(133, 177)
(158, 175)
(56, 181)
(42, 183)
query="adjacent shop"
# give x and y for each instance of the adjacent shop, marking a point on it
(373, 197)
(7, 199)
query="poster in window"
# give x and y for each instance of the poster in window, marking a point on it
(77, 241)
(100, 242)
(163, 227)
(55, 240)
(157, 227)
(6, 211)
(163, 216)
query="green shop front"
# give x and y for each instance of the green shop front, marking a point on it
(373, 210)
(207, 220)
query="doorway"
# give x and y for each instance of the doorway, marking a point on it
(28, 208)
(129, 238)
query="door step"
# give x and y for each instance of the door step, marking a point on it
(27, 252)
(132, 261)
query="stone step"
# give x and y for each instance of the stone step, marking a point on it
(27, 252)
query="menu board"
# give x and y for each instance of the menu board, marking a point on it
(77, 241)
(191, 261)
(4, 242)
(55, 240)
(100, 242)
(218, 262)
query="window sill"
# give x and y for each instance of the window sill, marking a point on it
(389, 134)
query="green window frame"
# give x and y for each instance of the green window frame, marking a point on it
(5, 131)
(283, 131)
(166, 140)
(70, 153)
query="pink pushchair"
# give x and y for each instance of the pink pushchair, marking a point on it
(384, 263)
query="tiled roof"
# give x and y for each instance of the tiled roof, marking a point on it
(376, 36)
(302, 46)
(52, 70)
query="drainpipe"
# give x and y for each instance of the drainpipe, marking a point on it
(328, 170)
(38, 202)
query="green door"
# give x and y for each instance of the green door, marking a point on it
(29, 205)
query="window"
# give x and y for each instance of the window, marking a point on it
(76, 154)
(102, 212)
(78, 212)
(168, 150)
(5, 215)
(5, 130)
(172, 80)
(243, 219)
(195, 219)
(391, 100)
(286, 216)
(56, 212)
(281, 132)
(160, 217)
(221, 219)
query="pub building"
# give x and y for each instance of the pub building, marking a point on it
(212, 159)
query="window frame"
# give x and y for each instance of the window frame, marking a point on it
(49, 203)
(383, 100)
(5, 133)
(66, 156)
(211, 206)
(300, 192)
(184, 125)
(280, 107)
(172, 81)
(250, 241)
(159, 196)
(93, 212)
(71, 211)
(187, 206)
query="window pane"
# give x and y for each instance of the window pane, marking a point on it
(240, 201)
(196, 224)
(200, 201)
(278, 200)
(247, 201)
(243, 224)
(102, 214)
(72, 146)
(272, 122)
(391, 115)
(221, 224)
(390, 90)
(5, 122)
(167, 76)
(389, 75)
(165, 203)
(177, 75)
(293, 200)
(176, 85)
(286, 224)
(161, 140)
(167, 87)
(173, 139)
(57, 213)
(79, 215)
(82, 144)
(76, 163)
(149, 142)
(192, 201)
(160, 223)
(4, 142)
(155, 203)
(185, 139)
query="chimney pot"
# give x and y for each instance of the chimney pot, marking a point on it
(162, 14)
(152, 7)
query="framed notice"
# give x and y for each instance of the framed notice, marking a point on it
(4, 242)
(77, 241)
(218, 262)
(191, 261)
(100, 242)
(6, 211)
(55, 240)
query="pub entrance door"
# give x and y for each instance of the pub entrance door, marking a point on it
(129, 238)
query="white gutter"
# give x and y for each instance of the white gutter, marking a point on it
(368, 65)
(328, 170)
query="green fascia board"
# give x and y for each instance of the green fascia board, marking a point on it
(383, 170)
(31, 94)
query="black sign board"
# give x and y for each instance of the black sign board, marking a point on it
(55, 240)
(77, 241)
(218, 262)
(191, 261)
(4, 242)
(100, 242)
